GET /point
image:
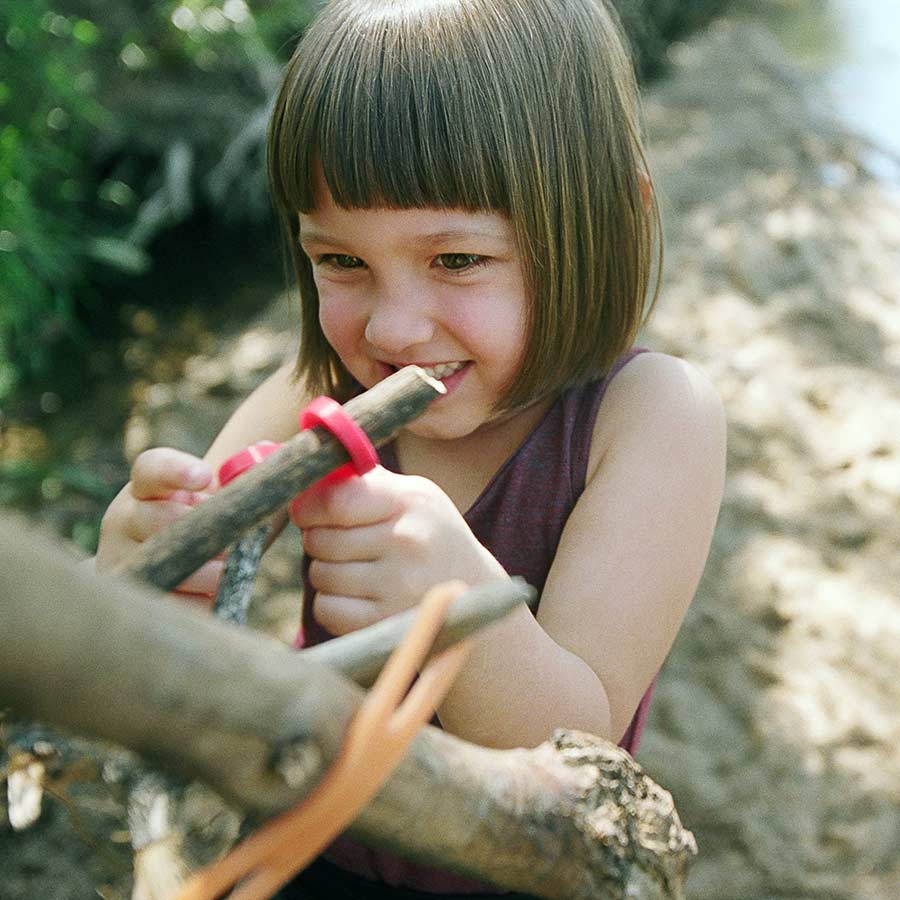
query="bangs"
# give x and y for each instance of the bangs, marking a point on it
(396, 111)
(523, 107)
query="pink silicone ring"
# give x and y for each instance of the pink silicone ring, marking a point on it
(331, 415)
(246, 459)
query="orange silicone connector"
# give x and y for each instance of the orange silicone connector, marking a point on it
(376, 740)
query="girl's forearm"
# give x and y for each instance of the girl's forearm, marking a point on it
(269, 413)
(519, 685)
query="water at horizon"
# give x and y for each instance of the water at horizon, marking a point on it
(852, 47)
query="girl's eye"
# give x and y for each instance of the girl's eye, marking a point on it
(340, 261)
(460, 262)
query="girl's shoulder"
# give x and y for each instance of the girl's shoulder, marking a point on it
(661, 399)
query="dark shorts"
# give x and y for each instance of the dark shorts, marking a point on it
(324, 881)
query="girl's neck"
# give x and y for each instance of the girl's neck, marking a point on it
(463, 467)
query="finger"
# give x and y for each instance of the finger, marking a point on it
(204, 583)
(161, 471)
(365, 543)
(349, 579)
(361, 500)
(341, 615)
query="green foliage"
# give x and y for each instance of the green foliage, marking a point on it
(46, 115)
(78, 493)
(116, 122)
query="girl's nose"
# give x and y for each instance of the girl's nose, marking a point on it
(398, 323)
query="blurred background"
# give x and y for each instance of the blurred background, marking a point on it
(143, 294)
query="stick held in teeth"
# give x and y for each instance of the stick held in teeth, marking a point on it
(170, 557)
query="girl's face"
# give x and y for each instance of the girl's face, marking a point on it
(441, 288)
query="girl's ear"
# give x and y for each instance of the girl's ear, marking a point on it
(646, 186)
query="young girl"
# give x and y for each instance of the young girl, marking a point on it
(464, 188)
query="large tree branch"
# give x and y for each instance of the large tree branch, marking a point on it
(574, 818)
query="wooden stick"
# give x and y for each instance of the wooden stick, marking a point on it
(236, 587)
(167, 559)
(361, 654)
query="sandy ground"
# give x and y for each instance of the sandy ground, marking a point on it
(777, 719)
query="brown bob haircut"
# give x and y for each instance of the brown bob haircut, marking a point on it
(525, 107)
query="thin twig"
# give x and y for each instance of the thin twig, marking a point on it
(361, 654)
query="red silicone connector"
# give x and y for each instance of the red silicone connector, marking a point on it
(246, 459)
(331, 415)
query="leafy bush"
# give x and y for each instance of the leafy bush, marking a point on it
(120, 119)
(42, 208)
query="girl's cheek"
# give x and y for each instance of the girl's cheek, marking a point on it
(336, 318)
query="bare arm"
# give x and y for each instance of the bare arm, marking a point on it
(269, 413)
(625, 572)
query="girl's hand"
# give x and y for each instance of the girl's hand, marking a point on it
(379, 542)
(165, 484)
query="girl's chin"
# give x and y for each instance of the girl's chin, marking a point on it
(444, 423)
(433, 431)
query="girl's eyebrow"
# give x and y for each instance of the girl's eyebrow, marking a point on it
(311, 235)
(314, 236)
(439, 237)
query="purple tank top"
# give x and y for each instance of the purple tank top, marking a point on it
(519, 517)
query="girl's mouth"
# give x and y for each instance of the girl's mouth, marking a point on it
(442, 370)
(448, 373)
(437, 370)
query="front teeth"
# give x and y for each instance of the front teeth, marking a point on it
(444, 370)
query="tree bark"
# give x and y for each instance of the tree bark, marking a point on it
(574, 818)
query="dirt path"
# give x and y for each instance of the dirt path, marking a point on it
(777, 722)
(777, 718)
